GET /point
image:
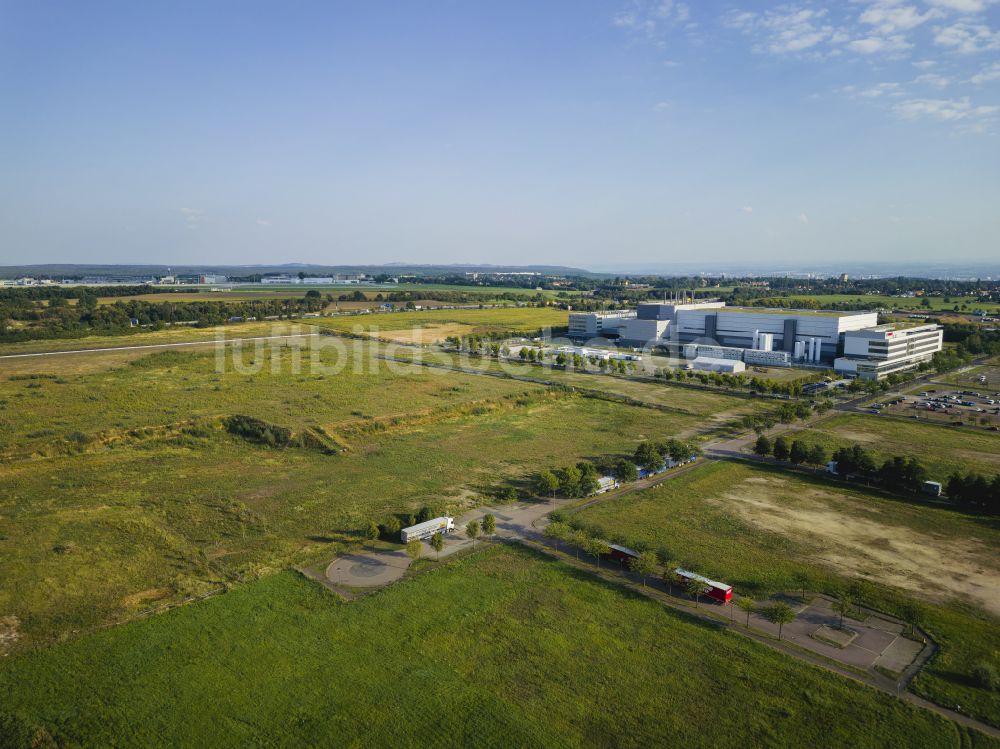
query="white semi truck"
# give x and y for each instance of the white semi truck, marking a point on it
(428, 528)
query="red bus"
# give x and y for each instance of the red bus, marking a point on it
(719, 591)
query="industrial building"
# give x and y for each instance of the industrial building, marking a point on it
(766, 337)
(728, 366)
(879, 351)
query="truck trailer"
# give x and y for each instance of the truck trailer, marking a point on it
(719, 591)
(428, 528)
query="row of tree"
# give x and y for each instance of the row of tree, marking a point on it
(975, 492)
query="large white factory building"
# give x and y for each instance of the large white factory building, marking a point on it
(768, 337)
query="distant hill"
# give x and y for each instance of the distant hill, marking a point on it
(59, 270)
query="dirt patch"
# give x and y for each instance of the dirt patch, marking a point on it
(861, 540)
(145, 596)
(423, 334)
(8, 633)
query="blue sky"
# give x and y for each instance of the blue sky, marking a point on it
(587, 133)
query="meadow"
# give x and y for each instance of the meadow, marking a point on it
(763, 530)
(147, 336)
(501, 648)
(942, 449)
(122, 490)
(462, 322)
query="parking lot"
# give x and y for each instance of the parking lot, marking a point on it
(978, 406)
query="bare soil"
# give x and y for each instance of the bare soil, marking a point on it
(865, 540)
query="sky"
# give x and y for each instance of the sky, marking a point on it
(583, 133)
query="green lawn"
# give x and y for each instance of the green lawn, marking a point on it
(757, 528)
(502, 648)
(942, 449)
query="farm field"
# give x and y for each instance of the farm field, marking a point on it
(941, 449)
(518, 650)
(758, 527)
(107, 525)
(511, 320)
(937, 304)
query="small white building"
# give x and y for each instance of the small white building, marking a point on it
(726, 366)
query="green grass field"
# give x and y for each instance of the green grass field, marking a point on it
(757, 528)
(472, 321)
(942, 449)
(937, 304)
(122, 490)
(501, 648)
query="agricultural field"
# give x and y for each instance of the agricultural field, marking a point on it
(516, 650)
(122, 489)
(433, 326)
(942, 449)
(937, 304)
(759, 528)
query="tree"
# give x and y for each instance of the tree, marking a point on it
(472, 531)
(781, 449)
(843, 606)
(372, 533)
(569, 481)
(547, 483)
(670, 575)
(762, 446)
(489, 524)
(413, 548)
(557, 531)
(391, 528)
(748, 605)
(625, 470)
(597, 548)
(798, 453)
(801, 581)
(817, 455)
(780, 613)
(579, 539)
(986, 677)
(648, 456)
(644, 565)
(437, 543)
(695, 589)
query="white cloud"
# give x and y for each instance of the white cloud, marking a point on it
(262, 222)
(873, 45)
(192, 217)
(963, 6)
(967, 38)
(924, 64)
(933, 79)
(987, 74)
(787, 29)
(662, 106)
(880, 89)
(945, 110)
(803, 218)
(888, 17)
(650, 16)
(747, 209)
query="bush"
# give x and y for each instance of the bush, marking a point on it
(986, 676)
(260, 432)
